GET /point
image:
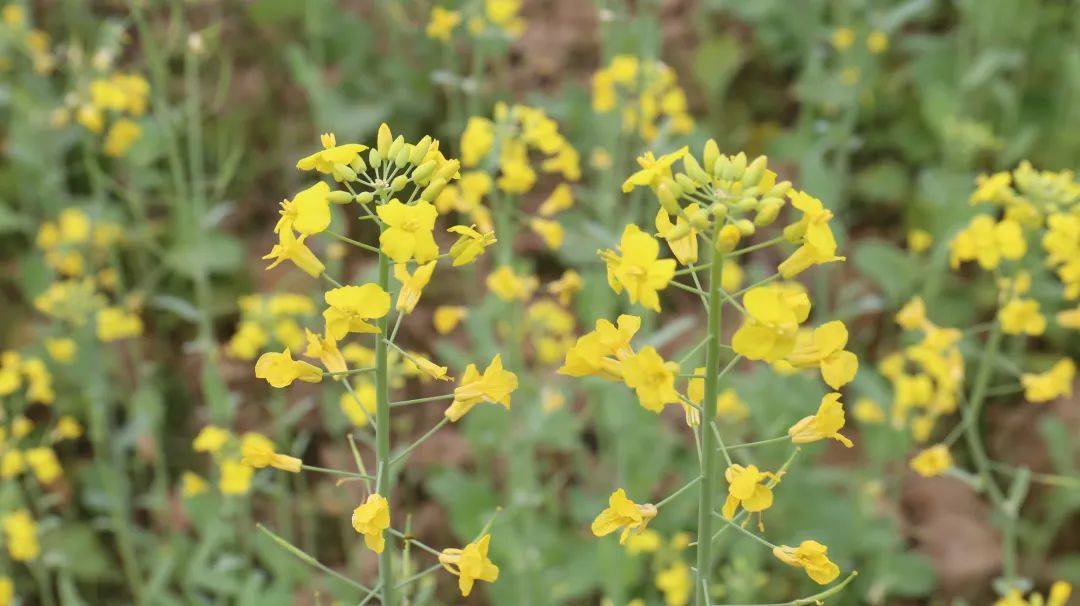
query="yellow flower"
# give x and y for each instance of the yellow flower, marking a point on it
(325, 349)
(638, 269)
(470, 244)
(826, 423)
(623, 513)
(551, 232)
(919, 240)
(370, 519)
(676, 583)
(12, 463)
(877, 42)
(653, 169)
(494, 386)
(67, 428)
(561, 198)
(417, 365)
(932, 461)
(7, 587)
(20, 534)
(121, 136)
(235, 477)
(331, 154)
(291, 248)
(192, 484)
(258, 451)
(442, 23)
(470, 564)
(510, 286)
(115, 323)
(408, 231)
(280, 370)
(350, 308)
(476, 140)
(988, 242)
(652, 378)
(747, 488)
(43, 462)
(308, 212)
(602, 351)
(411, 285)
(1059, 595)
(818, 245)
(682, 236)
(843, 38)
(912, 315)
(211, 439)
(1070, 318)
(775, 312)
(868, 411)
(1021, 316)
(566, 287)
(359, 409)
(447, 317)
(646, 541)
(825, 348)
(1052, 384)
(812, 557)
(61, 349)
(551, 399)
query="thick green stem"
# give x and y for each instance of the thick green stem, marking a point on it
(382, 436)
(708, 413)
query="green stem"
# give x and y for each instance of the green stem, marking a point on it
(783, 438)
(382, 435)
(442, 423)
(337, 472)
(311, 561)
(975, 404)
(708, 456)
(744, 531)
(448, 396)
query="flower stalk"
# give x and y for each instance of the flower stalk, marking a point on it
(382, 434)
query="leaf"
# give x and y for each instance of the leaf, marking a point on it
(887, 266)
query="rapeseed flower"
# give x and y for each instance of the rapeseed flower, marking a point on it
(280, 369)
(625, 514)
(825, 423)
(638, 268)
(812, 557)
(932, 461)
(652, 378)
(470, 564)
(350, 308)
(258, 451)
(408, 231)
(371, 519)
(495, 386)
(774, 313)
(1054, 383)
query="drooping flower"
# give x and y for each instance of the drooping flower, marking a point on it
(602, 351)
(280, 369)
(747, 488)
(412, 286)
(470, 244)
(470, 564)
(370, 519)
(291, 248)
(561, 198)
(331, 154)
(812, 557)
(495, 386)
(824, 348)
(350, 308)
(652, 378)
(258, 451)
(826, 423)
(325, 349)
(408, 231)
(638, 268)
(932, 461)
(817, 243)
(682, 235)
(775, 312)
(625, 514)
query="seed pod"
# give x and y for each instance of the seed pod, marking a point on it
(755, 171)
(710, 155)
(423, 172)
(343, 173)
(419, 151)
(358, 165)
(339, 197)
(686, 184)
(375, 158)
(384, 141)
(694, 170)
(399, 183)
(433, 190)
(364, 197)
(669, 200)
(745, 227)
(728, 238)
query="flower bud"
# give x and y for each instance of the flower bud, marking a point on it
(399, 183)
(669, 200)
(423, 172)
(341, 173)
(681, 230)
(694, 170)
(719, 211)
(401, 158)
(420, 150)
(395, 146)
(779, 190)
(710, 155)
(339, 197)
(364, 197)
(795, 231)
(383, 142)
(728, 238)
(767, 211)
(720, 168)
(433, 189)
(686, 184)
(448, 170)
(745, 227)
(375, 158)
(755, 171)
(746, 204)
(358, 165)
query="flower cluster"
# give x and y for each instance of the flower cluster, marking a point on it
(498, 18)
(645, 93)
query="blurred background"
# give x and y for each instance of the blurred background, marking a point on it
(146, 146)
